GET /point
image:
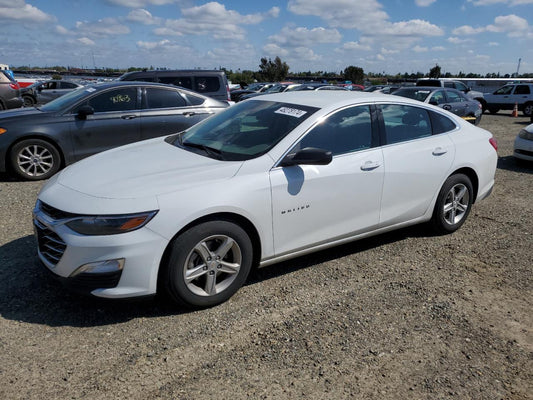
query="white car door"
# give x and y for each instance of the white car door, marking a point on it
(417, 160)
(312, 204)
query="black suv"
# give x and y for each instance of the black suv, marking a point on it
(211, 83)
(9, 92)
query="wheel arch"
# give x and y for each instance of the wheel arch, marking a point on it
(237, 219)
(40, 137)
(472, 175)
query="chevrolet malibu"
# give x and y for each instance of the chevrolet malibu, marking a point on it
(266, 180)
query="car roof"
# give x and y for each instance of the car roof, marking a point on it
(333, 98)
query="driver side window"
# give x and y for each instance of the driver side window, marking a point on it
(123, 99)
(343, 132)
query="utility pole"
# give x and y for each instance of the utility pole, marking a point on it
(518, 68)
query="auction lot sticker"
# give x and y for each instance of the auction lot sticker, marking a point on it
(293, 112)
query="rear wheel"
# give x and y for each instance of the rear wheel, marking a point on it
(493, 110)
(28, 101)
(35, 159)
(453, 204)
(528, 110)
(207, 264)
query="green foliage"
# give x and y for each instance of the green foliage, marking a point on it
(57, 77)
(435, 71)
(354, 74)
(273, 71)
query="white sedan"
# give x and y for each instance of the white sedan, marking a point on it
(267, 180)
(523, 145)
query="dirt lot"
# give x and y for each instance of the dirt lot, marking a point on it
(404, 315)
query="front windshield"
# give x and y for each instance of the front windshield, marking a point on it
(68, 99)
(245, 130)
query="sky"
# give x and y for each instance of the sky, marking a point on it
(380, 36)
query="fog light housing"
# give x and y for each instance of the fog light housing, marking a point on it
(100, 267)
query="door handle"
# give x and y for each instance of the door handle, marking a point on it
(439, 151)
(370, 165)
(128, 117)
(189, 113)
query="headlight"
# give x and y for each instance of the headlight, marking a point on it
(110, 224)
(525, 135)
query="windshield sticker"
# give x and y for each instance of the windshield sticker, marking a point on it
(293, 112)
(90, 90)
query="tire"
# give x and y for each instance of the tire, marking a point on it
(493, 110)
(28, 101)
(453, 204)
(217, 257)
(35, 159)
(528, 110)
(2, 106)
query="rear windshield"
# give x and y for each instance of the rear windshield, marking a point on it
(245, 130)
(415, 94)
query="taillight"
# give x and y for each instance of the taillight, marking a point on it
(227, 93)
(14, 86)
(494, 143)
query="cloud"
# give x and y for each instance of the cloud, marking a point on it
(492, 2)
(302, 36)
(467, 30)
(86, 41)
(102, 27)
(143, 16)
(424, 3)
(513, 25)
(215, 20)
(140, 3)
(20, 11)
(456, 40)
(420, 49)
(152, 45)
(62, 30)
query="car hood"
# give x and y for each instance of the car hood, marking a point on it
(143, 169)
(19, 113)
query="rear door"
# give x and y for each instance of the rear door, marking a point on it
(416, 161)
(115, 122)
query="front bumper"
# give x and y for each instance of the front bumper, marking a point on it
(63, 252)
(523, 149)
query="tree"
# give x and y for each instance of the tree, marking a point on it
(273, 71)
(435, 71)
(354, 74)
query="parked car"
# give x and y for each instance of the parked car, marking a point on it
(43, 92)
(449, 99)
(317, 86)
(36, 142)
(9, 92)
(277, 88)
(507, 96)
(259, 87)
(268, 179)
(210, 83)
(523, 145)
(453, 84)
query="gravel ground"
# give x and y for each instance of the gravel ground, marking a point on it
(404, 315)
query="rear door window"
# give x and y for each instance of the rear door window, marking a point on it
(183, 81)
(206, 84)
(163, 98)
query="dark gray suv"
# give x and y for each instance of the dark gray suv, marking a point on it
(210, 83)
(9, 92)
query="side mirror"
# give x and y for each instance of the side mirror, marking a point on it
(308, 156)
(85, 110)
(433, 102)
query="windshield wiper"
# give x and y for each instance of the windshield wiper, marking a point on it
(211, 151)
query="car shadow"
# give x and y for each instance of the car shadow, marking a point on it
(359, 246)
(509, 163)
(31, 295)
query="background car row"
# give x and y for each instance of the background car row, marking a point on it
(36, 142)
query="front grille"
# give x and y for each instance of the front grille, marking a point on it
(50, 244)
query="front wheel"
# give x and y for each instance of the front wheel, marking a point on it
(453, 204)
(493, 110)
(35, 159)
(207, 264)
